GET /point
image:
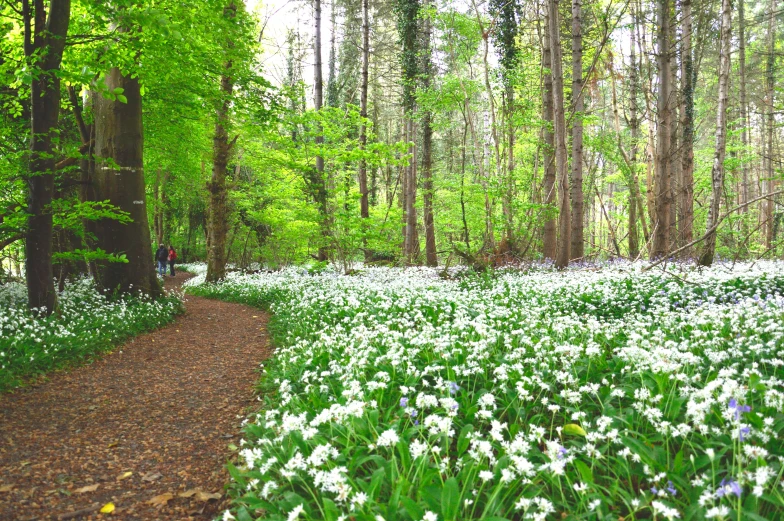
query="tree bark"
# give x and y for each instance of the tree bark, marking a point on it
(686, 193)
(119, 178)
(550, 243)
(318, 181)
(559, 120)
(218, 225)
(717, 172)
(770, 124)
(663, 195)
(744, 120)
(577, 240)
(44, 51)
(431, 257)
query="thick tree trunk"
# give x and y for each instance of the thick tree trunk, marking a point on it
(408, 14)
(663, 200)
(431, 257)
(44, 49)
(559, 120)
(577, 240)
(364, 211)
(218, 223)
(550, 242)
(717, 172)
(119, 178)
(686, 192)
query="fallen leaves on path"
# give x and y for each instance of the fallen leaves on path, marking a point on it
(147, 421)
(88, 488)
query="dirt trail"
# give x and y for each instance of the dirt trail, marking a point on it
(163, 407)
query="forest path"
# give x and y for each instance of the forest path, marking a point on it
(163, 407)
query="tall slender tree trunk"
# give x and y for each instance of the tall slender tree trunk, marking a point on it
(675, 153)
(119, 178)
(431, 257)
(686, 193)
(218, 223)
(663, 200)
(770, 124)
(744, 120)
(634, 126)
(717, 172)
(559, 119)
(577, 240)
(364, 211)
(550, 241)
(319, 183)
(44, 51)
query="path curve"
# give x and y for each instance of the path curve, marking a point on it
(164, 406)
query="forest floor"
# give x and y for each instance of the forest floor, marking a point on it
(146, 427)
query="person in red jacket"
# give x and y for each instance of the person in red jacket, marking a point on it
(172, 259)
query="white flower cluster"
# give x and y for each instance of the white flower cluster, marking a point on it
(599, 391)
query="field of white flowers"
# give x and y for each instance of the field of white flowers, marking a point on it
(591, 394)
(86, 323)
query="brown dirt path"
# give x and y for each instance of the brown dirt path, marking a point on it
(165, 407)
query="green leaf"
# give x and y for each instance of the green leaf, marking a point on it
(585, 471)
(122, 99)
(450, 500)
(574, 429)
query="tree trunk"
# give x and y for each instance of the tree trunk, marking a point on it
(318, 181)
(44, 51)
(119, 178)
(431, 256)
(408, 14)
(364, 211)
(717, 172)
(218, 224)
(634, 126)
(663, 195)
(559, 120)
(686, 224)
(744, 121)
(577, 240)
(550, 243)
(770, 124)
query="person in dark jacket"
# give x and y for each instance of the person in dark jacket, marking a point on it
(172, 258)
(162, 256)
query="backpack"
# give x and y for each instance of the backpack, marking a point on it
(173, 255)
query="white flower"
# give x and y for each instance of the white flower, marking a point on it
(294, 514)
(388, 438)
(430, 516)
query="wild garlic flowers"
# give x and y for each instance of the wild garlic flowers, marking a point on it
(593, 393)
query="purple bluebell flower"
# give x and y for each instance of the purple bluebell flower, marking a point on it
(728, 486)
(453, 388)
(739, 409)
(671, 488)
(413, 413)
(404, 402)
(561, 452)
(744, 431)
(416, 422)
(654, 491)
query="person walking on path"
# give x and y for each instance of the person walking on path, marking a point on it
(161, 256)
(172, 258)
